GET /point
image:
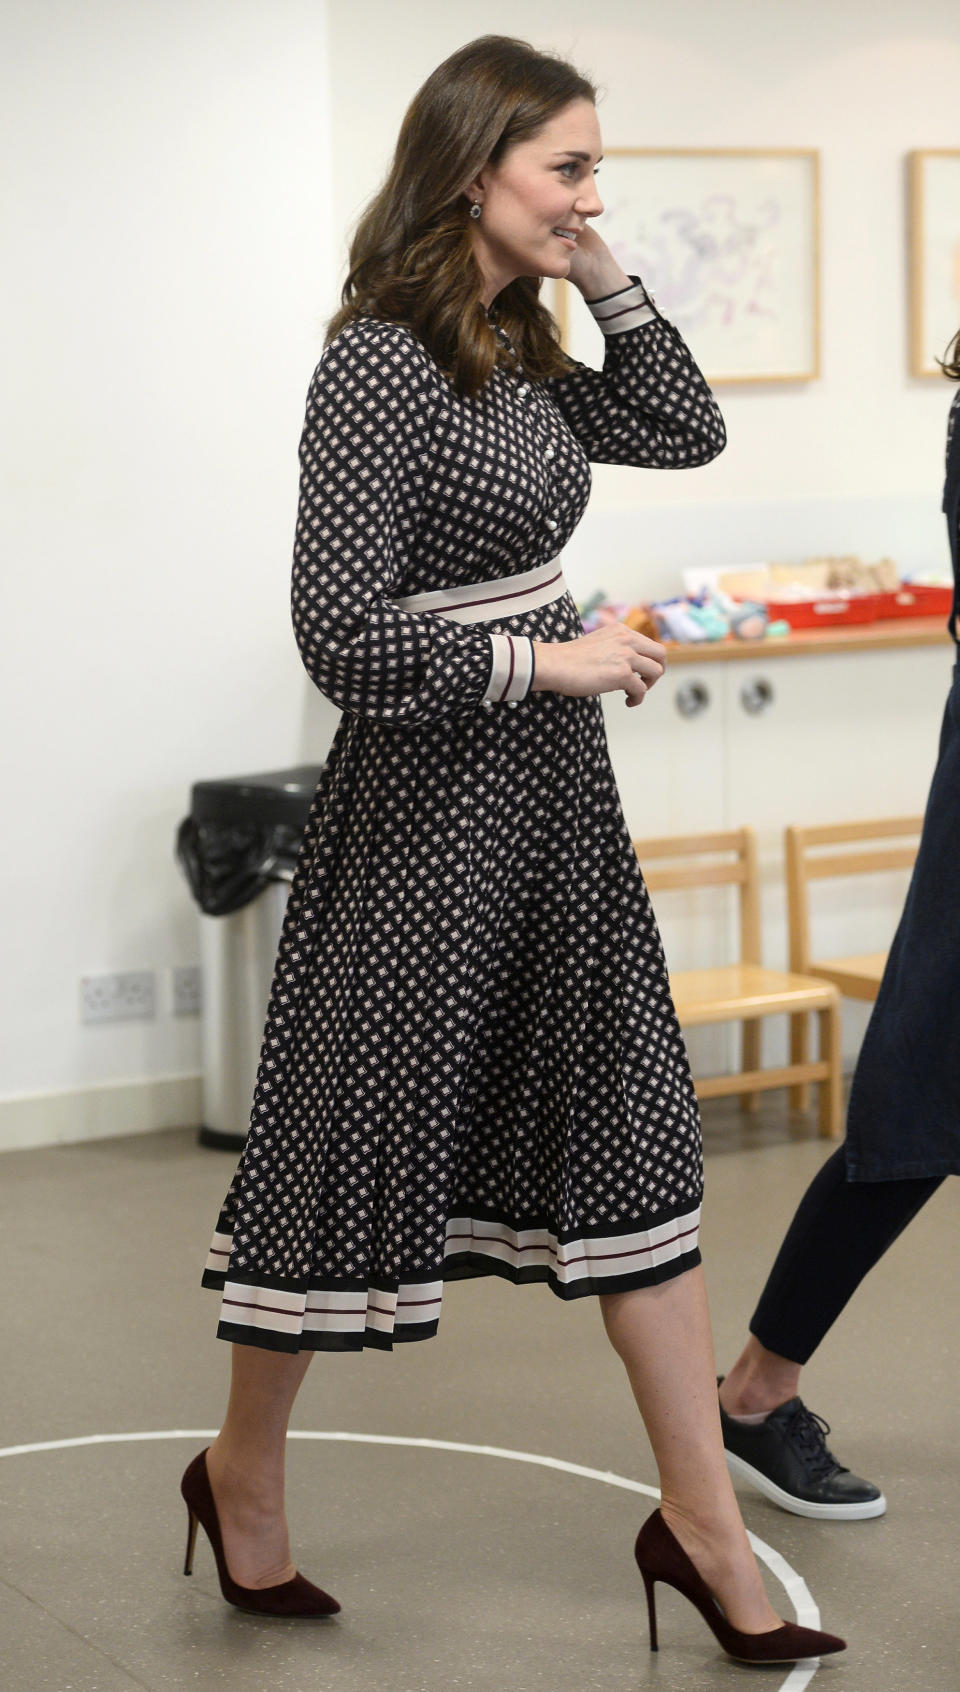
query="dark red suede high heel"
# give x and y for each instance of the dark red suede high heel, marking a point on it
(296, 1598)
(660, 1556)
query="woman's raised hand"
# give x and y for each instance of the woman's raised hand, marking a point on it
(613, 658)
(593, 268)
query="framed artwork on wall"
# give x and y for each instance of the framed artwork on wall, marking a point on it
(727, 241)
(934, 255)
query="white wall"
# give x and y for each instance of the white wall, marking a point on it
(851, 461)
(167, 222)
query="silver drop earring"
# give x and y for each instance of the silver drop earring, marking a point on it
(475, 209)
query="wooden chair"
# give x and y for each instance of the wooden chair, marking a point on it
(744, 991)
(855, 977)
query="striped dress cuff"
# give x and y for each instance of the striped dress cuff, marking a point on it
(511, 671)
(626, 310)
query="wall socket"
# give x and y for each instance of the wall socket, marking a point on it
(129, 997)
(187, 990)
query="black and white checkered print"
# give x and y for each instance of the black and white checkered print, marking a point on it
(471, 1062)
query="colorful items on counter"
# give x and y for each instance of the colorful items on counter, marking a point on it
(695, 619)
(699, 617)
(827, 590)
(598, 609)
(757, 601)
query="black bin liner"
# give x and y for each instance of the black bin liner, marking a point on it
(243, 832)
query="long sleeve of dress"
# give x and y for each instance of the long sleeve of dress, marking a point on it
(365, 458)
(649, 405)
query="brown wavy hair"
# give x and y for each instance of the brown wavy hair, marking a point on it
(950, 362)
(412, 259)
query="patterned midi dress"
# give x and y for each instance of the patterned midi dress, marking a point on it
(471, 1062)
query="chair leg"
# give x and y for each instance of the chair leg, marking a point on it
(830, 1122)
(750, 1058)
(800, 1053)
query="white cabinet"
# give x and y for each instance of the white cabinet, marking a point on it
(838, 735)
(845, 735)
(670, 766)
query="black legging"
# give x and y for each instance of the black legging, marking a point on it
(841, 1229)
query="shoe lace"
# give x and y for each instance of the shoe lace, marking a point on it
(807, 1433)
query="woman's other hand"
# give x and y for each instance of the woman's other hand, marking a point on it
(611, 659)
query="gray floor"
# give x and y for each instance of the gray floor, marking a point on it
(455, 1570)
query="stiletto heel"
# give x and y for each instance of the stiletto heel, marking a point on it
(297, 1598)
(660, 1556)
(649, 1584)
(193, 1523)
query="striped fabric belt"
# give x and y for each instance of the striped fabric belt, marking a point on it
(487, 602)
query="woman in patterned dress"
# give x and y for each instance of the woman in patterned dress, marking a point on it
(471, 1063)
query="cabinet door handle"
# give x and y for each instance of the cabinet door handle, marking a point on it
(756, 696)
(692, 699)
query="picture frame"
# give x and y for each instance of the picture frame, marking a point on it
(727, 240)
(934, 184)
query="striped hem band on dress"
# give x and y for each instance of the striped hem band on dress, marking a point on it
(575, 1260)
(627, 310)
(327, 1318)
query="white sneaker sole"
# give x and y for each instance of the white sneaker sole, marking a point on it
(862, 1512)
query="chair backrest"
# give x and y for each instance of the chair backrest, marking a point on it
(727, 859)
(809, 860)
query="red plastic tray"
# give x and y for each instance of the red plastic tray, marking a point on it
(918, 601)
(835, 611)
(831, 611)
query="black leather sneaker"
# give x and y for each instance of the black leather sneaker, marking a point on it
(787, 1459)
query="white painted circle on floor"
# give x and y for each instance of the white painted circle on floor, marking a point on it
(796, 1588)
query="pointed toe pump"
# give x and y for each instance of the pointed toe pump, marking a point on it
(296, 1598)
(660, 1556)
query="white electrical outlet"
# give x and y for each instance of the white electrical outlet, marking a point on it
(187, 995)
(129, 997)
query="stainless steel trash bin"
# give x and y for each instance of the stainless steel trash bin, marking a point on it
(238, 847)
(237, 955)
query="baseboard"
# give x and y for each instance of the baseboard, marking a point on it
(100, 1113)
